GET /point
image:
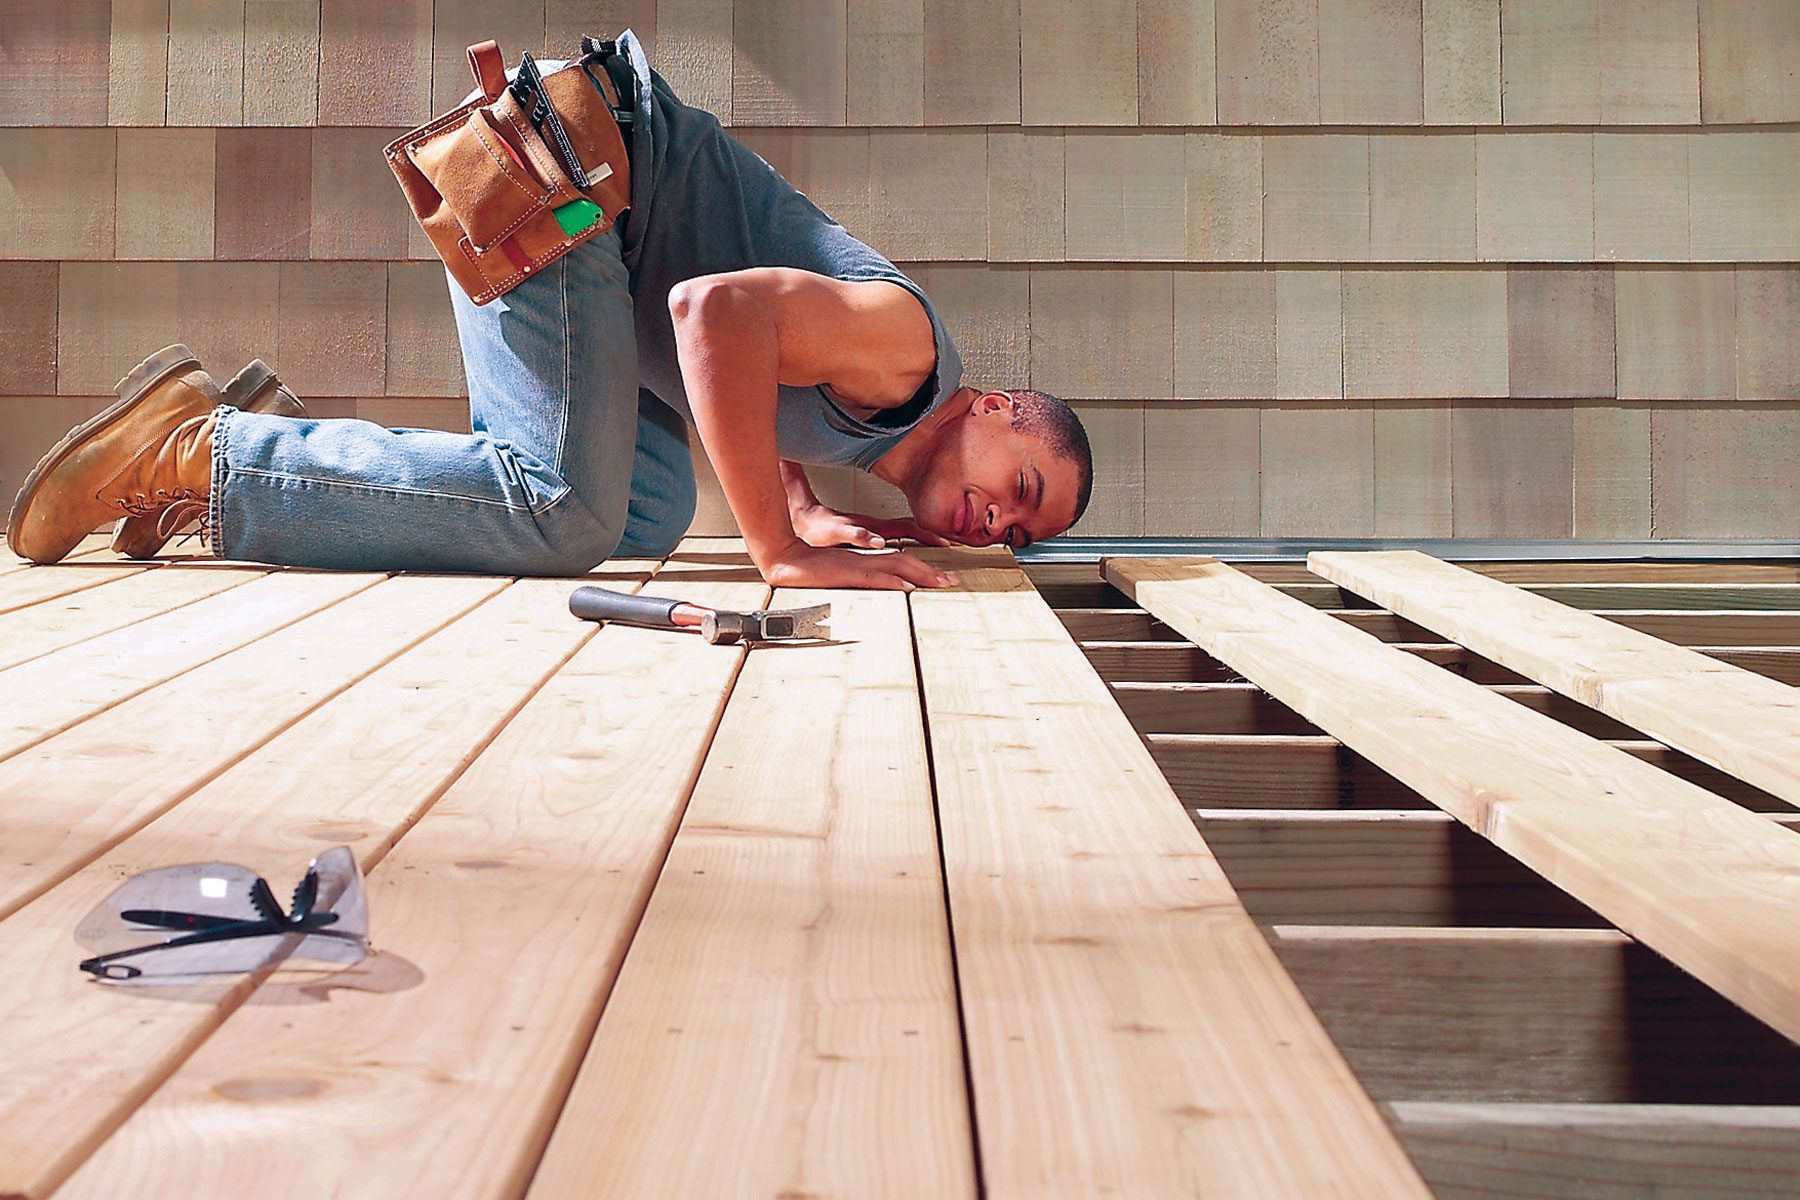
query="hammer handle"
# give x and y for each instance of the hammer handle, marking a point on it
(599, 604)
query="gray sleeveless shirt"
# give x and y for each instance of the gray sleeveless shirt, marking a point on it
(702, 203)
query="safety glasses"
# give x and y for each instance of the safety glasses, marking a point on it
(219, 918)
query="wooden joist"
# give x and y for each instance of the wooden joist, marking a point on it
(1707, 884)
(1378, 868)
(505, 911)
(1128, 1029)
(1738, 721)
(1244, 708)
(1601, 1151)
(1530, 1015)
(1314, 771)
(789, 989)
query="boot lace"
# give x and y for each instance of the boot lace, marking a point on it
(173, 510)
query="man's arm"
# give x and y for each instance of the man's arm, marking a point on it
(738, 337)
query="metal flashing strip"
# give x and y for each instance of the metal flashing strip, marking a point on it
(1080, 549)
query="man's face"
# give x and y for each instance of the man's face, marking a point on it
(990, 484)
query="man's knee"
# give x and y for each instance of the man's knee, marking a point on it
(656, 529)
(574, 540)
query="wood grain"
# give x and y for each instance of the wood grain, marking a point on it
(332, 334)
(1413, 470)
(1461, 62)
(424, 357)
(1534, 196)
(375, 62)
(1202, 470)
(1177, 62)
(972, 57)
(1677, 333)
(1125, 196)
(1747, 54)
(1224, 196)
(808, 890)
(1739, 722)
(388, 746)
(28, 314)
(1422, 197)
(1561, 329)
(1316, 197)
(1425, 333)
(926, 193)
(1026, 189)
(1513, 470)
(1099, 1090)
(1550, 62)
(1768, 353)
(1641, 196)
(987, 310)
(56, 63)
(1724, 471)
(206, 62)
(1544, 1015)
(1481, 1151)
(165, 194)
(1371, 62)
(357, 211)
(1650, 64)
(1616, 833)
(1116, 437)
(59, 193)
(281, 62)
(1268, 52)
(1309, 335)
(1078, 62)
(262, 202)
(1612, 471)
(788, 62)
(1318, 470)
(137, 68)
(1744, 191)
(1225, 345)
(886, 71)
(1103, 334)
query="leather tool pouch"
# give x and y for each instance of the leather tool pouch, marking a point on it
(491, 182)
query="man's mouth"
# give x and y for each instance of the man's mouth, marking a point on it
(964, 516)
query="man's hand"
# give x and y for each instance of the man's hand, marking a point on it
(802, 566)
(818, 525)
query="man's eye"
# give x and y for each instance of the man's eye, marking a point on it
(1021, 485)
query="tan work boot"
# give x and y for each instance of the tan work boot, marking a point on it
(148, 450)
(254, 389)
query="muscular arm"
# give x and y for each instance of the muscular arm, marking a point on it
(740, 335)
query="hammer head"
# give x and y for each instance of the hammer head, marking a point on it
(786, 625)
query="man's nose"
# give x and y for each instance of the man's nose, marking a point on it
(992, 513)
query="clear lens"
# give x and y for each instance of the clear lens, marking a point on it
(341, 894)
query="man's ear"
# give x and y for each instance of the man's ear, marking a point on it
(986, 404)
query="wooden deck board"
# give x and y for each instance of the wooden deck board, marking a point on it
(1616, 833)
(109, 775)
(1738, 721)
(790, 989)
(356, 771)
(33, 585)
(1128, 1031)
(26, 633)
(57, 691)
(521, 885)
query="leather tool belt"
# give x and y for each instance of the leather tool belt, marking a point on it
(523, 172)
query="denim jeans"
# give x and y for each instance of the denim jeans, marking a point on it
(570, 462)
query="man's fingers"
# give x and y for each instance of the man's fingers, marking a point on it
(856, 535)
(919, 572)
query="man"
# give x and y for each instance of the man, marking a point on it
(723, 296)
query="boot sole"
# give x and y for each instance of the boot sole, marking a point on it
(134, 387)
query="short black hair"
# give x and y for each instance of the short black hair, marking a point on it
(1052, 422)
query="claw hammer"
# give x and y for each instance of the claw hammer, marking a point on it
(720, 626)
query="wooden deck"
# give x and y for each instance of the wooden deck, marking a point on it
(1010, 890)
(913, 913)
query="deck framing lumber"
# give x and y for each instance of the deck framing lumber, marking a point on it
(1738, 721)
(356, 771)
(1128, 1029)
(1547, 1015)
(1707, 884)
(790, 987)
(522, 886)
(1601, 1151)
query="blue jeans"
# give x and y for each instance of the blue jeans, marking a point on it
(570, 462)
